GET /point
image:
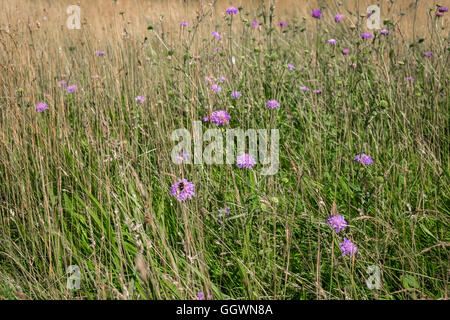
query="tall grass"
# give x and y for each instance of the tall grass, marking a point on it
(87, 182)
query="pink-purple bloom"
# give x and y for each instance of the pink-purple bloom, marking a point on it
(290, 66)
(409, 79)
(182, 189)
(347, 247)
(345, 52)
(337, 222)
(366, 35)
(246, 161)
(225, 210)
(41, 106)
(232, 10)
(272, 104)
(304, 88)
(72, 88)
(443, 9)
(220, 118)
(216, 88)
(99, 53)
(216, 35)
(200, 295)
(428, 54)
(184, 23)
(363, 158)
(384, 32)
(62, 83)
(332, 41)
(317, 91)
(316, 14)
(140, 99)
(282, 24)
(338, 17)
(236, 94)
(255, 23)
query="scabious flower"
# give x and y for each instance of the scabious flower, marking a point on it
(182, 189)
(337, 222)
(409, 79)
(72, 88)
(272, 104)
(41, 106)
(317, 91)
(246, 161)
(290, 66)
(347, 247)
(140, 99)
(200, 295)
(304, 88)
(363, 158)
(255, 23)
(332, 41)
(428, 54)
(345, 52)
(205, 119)
(183, 156)
(220, 117)
(282, 24)
(232, 10)
(384, 32)
(216, 35)
(225, 210)
(183, 24)
(338, 17)
(236, 94)
(216, 88)
(316, 14)
(443, 9)
(99, 53)
(366, 35)
(223, 79)
(62, 83)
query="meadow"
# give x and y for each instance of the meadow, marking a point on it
(90, 194)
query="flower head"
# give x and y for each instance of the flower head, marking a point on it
(337, 222)
(317, 91)
(282, 24)
(182, 189)
(255, 23)
(347, 247)
(338, 17)
(345, 52)
(140, 99)
(72, 88)
(428, 54)
(220, 118)
(246, 161)
(363, 158)
(232, 10)
(62, 83)
(99, 53)
(332, 41)
(290, 66)
(200, 295)
(236, 94)
(216, 35)
(384, 32)
(183, 23)
(316, 14)
(225, 210)
(304, 88)
(366, 35)
(41, 106)
(409, 79)
(443, 9)
(216, 88)
(223, 79)
(272, 104)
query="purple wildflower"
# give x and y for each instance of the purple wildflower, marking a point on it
(384, 32)
(443, 9)
(304, 88)
(200, 295)
(216, 35)
(282, 24)
(272, 104)
(428, 54)
(223, 79)
(62, 83)
(220, 117)
(255, 23)
(366, 35)
(347, 247)
(183, 24)
(41, 106)
(337, 222)
(216, 88)
(226, 210)
(290, 66)
(140, 99)
(182, 189)
(72, 88)
(99, 53)
(345, 52)
(439, 14)
(338, 17)
(332, 41)
(316, 14)
(205, 119)
(232, 10)
(246, 161)
(409, 79)
(183, 156)
(317, 91)
(363, 158)
(236, 94)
